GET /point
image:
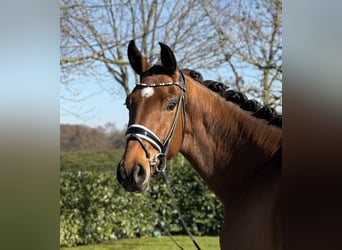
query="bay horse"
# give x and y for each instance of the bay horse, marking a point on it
(237, 154)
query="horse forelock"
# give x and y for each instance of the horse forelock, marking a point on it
(155, 70)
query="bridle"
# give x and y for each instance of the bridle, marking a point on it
(139, 132)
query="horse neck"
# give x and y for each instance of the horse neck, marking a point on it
(225, 144)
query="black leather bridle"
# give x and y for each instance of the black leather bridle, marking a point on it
(140, 133)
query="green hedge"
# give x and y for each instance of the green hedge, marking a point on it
(99, 160)
(94, 207)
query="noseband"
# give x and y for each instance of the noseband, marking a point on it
(139, 133)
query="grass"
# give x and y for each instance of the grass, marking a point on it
(161, 243)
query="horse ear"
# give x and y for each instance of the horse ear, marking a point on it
(137, 61)
(168, 59)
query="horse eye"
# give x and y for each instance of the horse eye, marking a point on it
(171, 105)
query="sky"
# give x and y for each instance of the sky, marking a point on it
(98, 107)
(103, 109)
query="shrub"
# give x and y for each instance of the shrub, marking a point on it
(94, 207)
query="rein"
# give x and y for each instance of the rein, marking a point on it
(140, 133)
(178, 211)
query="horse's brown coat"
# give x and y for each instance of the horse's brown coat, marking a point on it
(237, 155)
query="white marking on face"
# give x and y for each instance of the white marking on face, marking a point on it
(147, 92)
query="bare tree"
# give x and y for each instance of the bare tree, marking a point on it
(206, 35)
(249, 34)
(95, 34)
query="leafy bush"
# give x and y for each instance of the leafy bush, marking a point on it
(98, 160)
(94, 207)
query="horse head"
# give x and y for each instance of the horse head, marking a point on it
(156, 119)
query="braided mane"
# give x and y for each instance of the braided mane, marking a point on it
(263, 112)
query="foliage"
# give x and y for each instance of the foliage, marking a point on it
(95, 208)
(161, 243)
(101, 160)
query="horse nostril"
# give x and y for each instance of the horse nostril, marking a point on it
(121, 173)
(132, 181)
(139, 174)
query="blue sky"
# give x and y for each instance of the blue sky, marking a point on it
(102, 108)
(98, 107)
